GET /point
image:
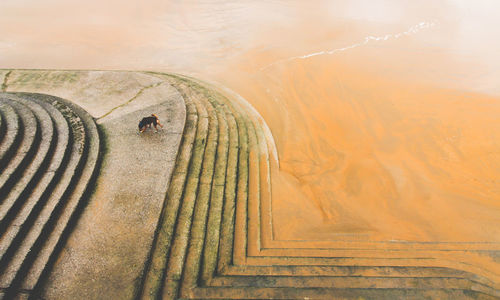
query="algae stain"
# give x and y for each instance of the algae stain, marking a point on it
(44, 78)
(5, 80)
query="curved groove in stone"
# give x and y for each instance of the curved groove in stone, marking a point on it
(63, 163)
(13, 133)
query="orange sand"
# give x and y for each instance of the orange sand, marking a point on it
(379, 158)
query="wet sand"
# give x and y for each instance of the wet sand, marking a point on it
(382, 159)
(385, 130)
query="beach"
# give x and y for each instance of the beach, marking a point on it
(384, 114)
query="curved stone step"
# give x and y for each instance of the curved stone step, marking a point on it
(248, 178)
(236, 183)
(366, 258)
(265, 181)
(237, 124)
(153, 278)
(440, 281)
(187, 290)
(259, 182)
(242, 172)
(379, 256)
(210, 178)
(13, 133)
(237, 153)
(356, 282)
(200, 168)
(47, 192)
(225, 185)
(24, 196)
(335, 270)
(376, 258)
(345, 282)
(15, 169)
(43, 222)
(335, 293)
(414, 274)
(61, 215)
(252, 175)
(332, 267)
(259, 191)
(257, 157)
(2, 125)
(206, 218)
(190, 277)
(372, 278)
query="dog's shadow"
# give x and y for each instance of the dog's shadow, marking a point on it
(149, 133)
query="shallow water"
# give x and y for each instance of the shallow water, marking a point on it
(385, 113)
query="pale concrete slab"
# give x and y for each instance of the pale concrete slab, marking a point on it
(98, 92)
(154, 95)
(106, 253)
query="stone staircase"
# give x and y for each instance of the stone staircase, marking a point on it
(49, 151)
(215, 236)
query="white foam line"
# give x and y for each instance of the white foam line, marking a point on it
(412, 30)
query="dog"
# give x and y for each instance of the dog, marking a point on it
(147, 121)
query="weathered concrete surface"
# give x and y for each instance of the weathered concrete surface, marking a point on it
(101, 93)
(3, 77)
(106, 253)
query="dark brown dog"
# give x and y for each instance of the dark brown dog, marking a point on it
(147, 121)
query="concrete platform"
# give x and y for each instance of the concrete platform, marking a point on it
(187, 212)
(107, 251)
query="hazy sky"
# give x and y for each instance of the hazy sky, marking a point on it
(165, 34)
(209, 37)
